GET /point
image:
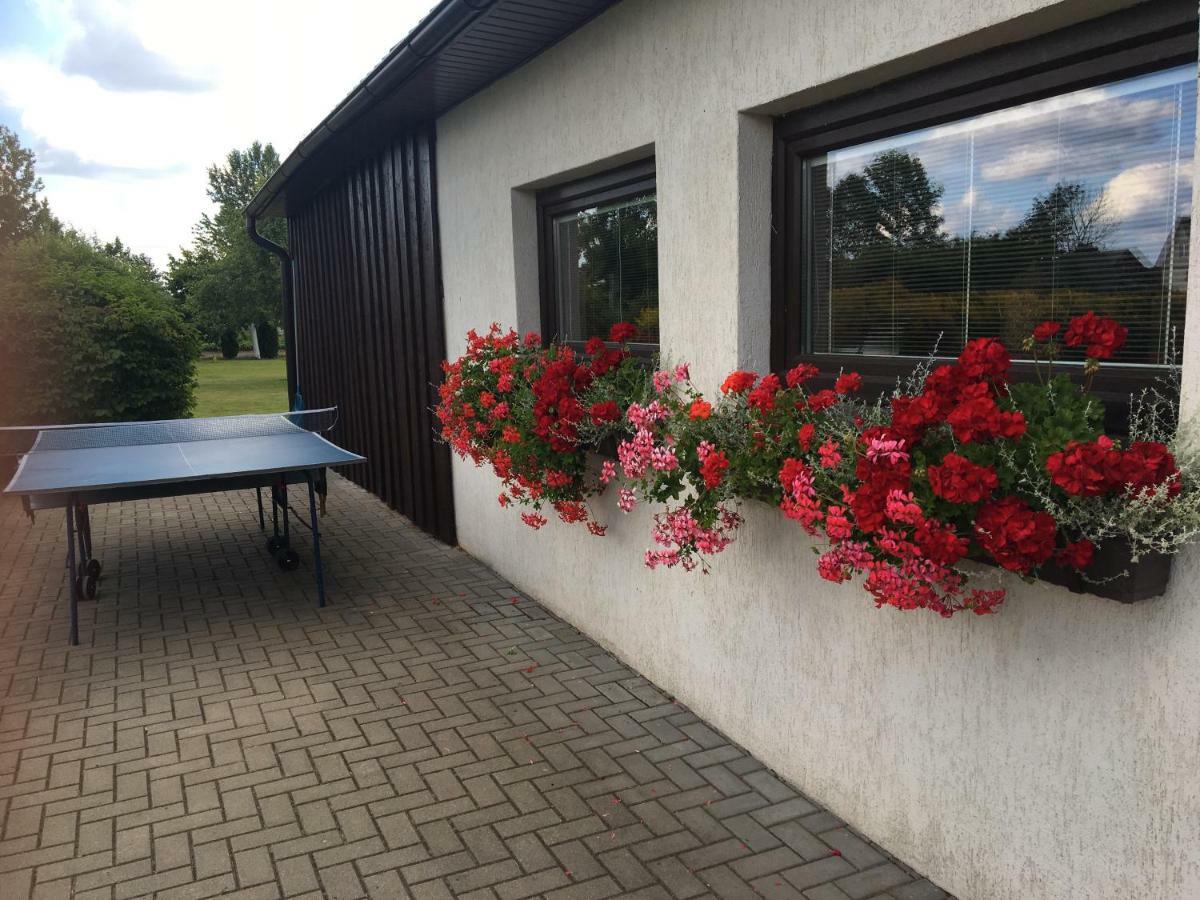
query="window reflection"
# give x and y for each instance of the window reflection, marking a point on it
(985, 226)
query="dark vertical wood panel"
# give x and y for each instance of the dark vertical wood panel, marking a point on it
(371, 336)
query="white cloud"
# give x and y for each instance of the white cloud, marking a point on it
(1146, 188)
(125, 142)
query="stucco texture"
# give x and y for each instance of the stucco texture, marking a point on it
(1050, 751)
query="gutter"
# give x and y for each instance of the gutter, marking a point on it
(289, 306)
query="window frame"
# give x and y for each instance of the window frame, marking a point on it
(1153, 36)
(620, 183)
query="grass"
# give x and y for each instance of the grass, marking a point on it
(229, 387)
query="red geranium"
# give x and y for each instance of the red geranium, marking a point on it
(700, 409)
(621, 332)
(848, 382)
(738, 382)
(1085, 469)
(822, 400)
(1146, 465)
(985, 358)
(1077, 555)
(1046, 331)
(608, 411)
(801, 374)
(978, 418)
(959, 480)
(940, 542)
(1017, 537)
(804, 435)
(1102, 337)
(762, 397)
(713, 468)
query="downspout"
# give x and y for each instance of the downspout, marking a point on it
(289, 306)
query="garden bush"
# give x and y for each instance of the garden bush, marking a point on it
(268, 340)
(86, 335)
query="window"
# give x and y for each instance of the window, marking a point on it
(598, 243)
(982, 198)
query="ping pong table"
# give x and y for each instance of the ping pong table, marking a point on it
(73, 467)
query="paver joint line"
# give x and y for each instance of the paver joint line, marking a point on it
(430, 733)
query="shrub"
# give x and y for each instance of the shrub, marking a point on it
(268, 340)
(230, 345)
(87, 335)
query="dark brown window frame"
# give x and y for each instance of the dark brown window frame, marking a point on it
(1153, 36)
(593, 190)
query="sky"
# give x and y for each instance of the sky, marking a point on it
(127, 102)
(991, 167)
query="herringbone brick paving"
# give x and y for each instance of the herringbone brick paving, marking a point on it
(430, 734)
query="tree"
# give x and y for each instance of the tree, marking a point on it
(87, 334)
(226, 280)
(22, 213)
(1068, 218)
(891, 201)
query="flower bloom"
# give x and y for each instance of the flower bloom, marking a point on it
(608, 471)
(848, 383)
(700, 409)
(1017, 537)
(594, 346)
(683, 372)
(1101, 337)
(801, 374)
(984, 359)
(621, 333)
(891, 451)
(959, 480)
(663, 459)
(738, 382)
(822, 400)
(804, 436)
(1046, 331)
(903, 508)
(607, 411)
(626, 499)
(511, 435)
(662, 381)
(763, 397)
(837, 526)
(713, 468)
(533, 520)
(1077, 555)
(978, 418)
(829, 454)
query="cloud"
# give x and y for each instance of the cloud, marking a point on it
(1022, 163)
(122, 152)
(1146, 188)
(60, 161)
(116, 59)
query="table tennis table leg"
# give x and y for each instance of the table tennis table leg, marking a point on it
(72, 580)
(262, 522)
(318, 569)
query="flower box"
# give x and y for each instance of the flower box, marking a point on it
(1118, 577)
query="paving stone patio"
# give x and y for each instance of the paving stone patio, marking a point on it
(430, 734)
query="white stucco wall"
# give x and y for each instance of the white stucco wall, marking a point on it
(1052, 751)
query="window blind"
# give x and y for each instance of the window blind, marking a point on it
(606, 269)
(988, 225)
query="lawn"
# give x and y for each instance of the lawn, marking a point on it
(227, 387)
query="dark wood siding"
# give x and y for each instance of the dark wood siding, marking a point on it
(370, 334)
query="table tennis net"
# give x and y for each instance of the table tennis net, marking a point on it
(172, 431)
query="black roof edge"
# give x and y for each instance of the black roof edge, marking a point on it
(432, 35)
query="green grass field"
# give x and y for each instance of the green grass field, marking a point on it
(228, 387)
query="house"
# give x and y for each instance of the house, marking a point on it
(837, 181)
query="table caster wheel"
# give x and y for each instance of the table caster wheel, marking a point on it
(274, 543)
(288, 559)
(94, 568)
(81, 588)
(89, 587)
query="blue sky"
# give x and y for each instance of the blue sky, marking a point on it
(127, 102)
(1130, 142)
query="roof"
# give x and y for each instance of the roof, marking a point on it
(460, 48)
